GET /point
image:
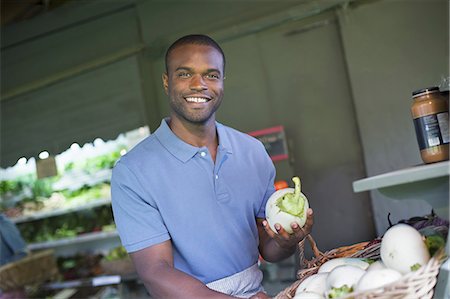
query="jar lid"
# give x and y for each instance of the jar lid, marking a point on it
(419, 92)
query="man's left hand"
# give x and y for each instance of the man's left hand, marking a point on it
(286, 240)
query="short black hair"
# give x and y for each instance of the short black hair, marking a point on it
(194, 39)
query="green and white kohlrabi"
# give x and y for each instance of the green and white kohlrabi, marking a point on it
(286, 206)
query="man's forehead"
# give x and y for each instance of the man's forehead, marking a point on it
(189, 53)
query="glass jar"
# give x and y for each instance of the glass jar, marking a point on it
(430, 114)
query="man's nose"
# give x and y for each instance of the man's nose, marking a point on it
(197, 83)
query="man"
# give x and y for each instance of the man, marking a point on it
(189, 201)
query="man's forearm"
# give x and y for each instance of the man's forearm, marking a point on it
(272, 252)
(164, 281)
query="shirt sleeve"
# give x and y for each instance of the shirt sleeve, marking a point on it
(136, 215)
(270, 187)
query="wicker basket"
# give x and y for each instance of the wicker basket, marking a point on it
(34, 269)
(419, 284)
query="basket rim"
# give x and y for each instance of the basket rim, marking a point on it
(27, 258)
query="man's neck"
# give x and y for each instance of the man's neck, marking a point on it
(198, 135)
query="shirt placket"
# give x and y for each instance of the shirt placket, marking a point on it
(220, 190)
(219, 184)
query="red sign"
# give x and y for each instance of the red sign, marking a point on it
(274, 140)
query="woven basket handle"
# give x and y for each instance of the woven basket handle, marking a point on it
(301, 246)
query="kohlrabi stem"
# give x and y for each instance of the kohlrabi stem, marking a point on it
(298, 186)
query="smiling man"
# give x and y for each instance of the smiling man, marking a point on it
(189, 201)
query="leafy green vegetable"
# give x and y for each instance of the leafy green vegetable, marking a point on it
(116, 253)
(95, 164)
(415, 267)
(369, 261)
(434, 243)
(68, 264)
(42, 188)
(339, 292)
(292, 203)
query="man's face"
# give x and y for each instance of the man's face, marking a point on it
(194, 82)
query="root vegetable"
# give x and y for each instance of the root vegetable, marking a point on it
(331, 264)
(286, 206)
(377, 278)
(308, 295)
(378, 265)
(342, 279)
(403, 249)
(315, 283)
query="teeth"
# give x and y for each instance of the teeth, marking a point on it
(196, 100)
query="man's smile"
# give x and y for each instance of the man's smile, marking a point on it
(192, 99)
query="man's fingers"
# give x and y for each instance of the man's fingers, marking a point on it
(268, 230)
(309, 221)
(281, 231)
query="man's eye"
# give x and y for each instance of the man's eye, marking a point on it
(212, 76)
(184, 75)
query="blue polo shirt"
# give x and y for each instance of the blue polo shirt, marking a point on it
(165, 189)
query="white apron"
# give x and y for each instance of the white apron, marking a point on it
(243, 284)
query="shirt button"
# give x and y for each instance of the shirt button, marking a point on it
(217, 177)
(203, 154)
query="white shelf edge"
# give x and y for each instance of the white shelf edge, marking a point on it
(62, 211)
(75, 240)
(403, 176)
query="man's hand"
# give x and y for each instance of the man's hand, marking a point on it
(275, 247)
(286, 240)
(260, 295)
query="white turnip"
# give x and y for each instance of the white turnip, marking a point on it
(286, 206)
(377, 278)
(328, 266)
(403, 249)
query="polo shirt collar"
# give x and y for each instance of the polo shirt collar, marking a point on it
(224, 141)
(182, 150)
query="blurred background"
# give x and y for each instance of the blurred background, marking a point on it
(326, 85)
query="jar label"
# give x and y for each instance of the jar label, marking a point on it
(432, 130)
(443, 125)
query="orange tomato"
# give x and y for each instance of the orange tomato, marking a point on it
(281, 184)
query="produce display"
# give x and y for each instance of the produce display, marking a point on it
(72, 208)
(79, 266)
(95, 164)
(27, 195)
(287, 205)
(117, 253)
(404, 249)
(117, 262)
(69, 225)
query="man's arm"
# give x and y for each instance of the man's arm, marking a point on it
(276, 247)
(154, 266)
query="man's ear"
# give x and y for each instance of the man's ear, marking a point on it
(165, 80)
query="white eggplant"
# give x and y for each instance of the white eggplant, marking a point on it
(377, 278)
(308, 295)
(286, 206)
(378, 265)
(328, 266)
(344, 275)
(316, 283)
(403, 249)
